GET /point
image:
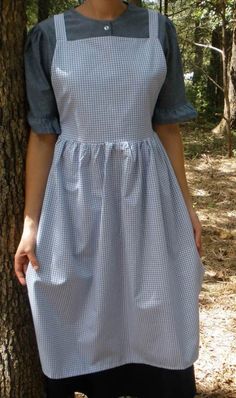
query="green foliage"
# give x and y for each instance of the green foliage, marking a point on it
(197, 95)
(56, 6)
(203, 18)
(32, 11)
(62, 5)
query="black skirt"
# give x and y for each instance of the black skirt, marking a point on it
(133, 379)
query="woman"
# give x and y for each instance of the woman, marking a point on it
(111, 245)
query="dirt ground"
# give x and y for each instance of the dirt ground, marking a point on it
(212, 181)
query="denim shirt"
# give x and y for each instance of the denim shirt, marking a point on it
(172, 105)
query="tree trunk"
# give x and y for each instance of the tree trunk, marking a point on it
(215, 96)
(163, 6)
(20, 368)
(232, 81)
(224, 127)
(166, 4)
(198, 56)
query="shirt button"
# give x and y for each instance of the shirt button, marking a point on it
(106, 27)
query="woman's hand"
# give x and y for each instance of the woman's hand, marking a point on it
(38, 162)
(25, 253)
(171, 138)
(197, 228)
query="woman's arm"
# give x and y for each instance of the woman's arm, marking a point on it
(38, 162)
(171, 139)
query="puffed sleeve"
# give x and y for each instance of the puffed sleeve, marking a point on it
(172, 106)
(42, 112)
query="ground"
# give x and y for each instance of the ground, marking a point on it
(212, 181)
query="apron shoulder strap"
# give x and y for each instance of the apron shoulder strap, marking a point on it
(153, 23)
(60, 27)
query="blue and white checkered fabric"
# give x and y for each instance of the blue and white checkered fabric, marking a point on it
(120, 273)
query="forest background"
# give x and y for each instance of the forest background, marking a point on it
(207, 37)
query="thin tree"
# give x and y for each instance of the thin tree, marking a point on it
(225, 124)
(232, 74)
(163, 6)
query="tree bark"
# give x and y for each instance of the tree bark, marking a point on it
(20, 368)
(224, 127)
(232, 81)
(227, 113)
(198, 56)
(215, 96)
(166, 4)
